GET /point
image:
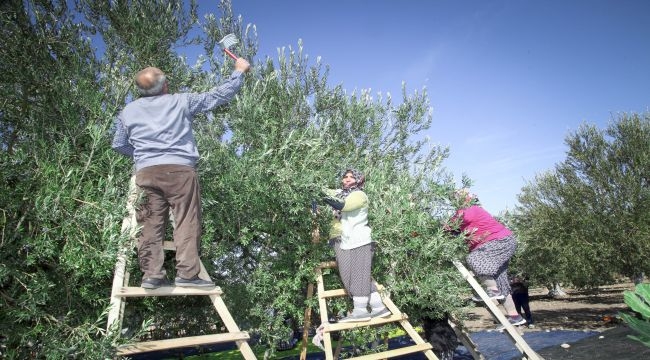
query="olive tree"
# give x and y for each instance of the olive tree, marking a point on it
(59, 218)
(589, 217)
(265, 156)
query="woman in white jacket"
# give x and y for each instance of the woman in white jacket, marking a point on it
(352, 241)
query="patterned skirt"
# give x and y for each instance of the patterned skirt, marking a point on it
(354, 268)
(491, 260)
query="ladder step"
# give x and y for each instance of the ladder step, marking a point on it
(327, 265)
(189, 341)
(133, 291)
(332, 293)
(397, 352)
(339, 292)
(510, 330)
(372, 322)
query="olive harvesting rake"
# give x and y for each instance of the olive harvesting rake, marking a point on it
(228, 41)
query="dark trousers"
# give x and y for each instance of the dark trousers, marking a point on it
(174, 187)
(522, 302)
(354, 268)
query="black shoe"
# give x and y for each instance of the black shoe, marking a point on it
(153, 283)
(193, 282)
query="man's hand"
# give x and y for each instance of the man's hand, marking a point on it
(242, 65)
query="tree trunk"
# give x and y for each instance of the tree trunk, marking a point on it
(556, 291)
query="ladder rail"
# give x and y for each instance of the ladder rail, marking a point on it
(315, 239)
(406, 325)
(116, 312)
(518, 340)
(397, 316)
(121, 276)
(243, 345)
(120, 291)
(306, 324)
(322, 307)
(465, 339)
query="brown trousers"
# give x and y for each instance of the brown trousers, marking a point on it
(165, 187)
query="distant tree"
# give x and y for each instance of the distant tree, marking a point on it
(590, 217)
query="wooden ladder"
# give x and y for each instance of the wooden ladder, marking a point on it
(396, 316)
(465, 339)
(121, 291)
(519, 341)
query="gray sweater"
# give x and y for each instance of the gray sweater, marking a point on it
(157, 130)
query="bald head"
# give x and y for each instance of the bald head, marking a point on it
(150, 81)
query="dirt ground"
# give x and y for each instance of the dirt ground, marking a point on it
(580, 310)
(587, 311)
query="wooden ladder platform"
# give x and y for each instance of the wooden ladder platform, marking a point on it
(510, 330)
(132, 291)
(189, 341)
(412, 349)
(121, 291)
(396, 317)
(116, 314)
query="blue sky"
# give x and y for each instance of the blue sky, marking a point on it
(507, 80)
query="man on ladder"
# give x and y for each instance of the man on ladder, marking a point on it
(156, 131)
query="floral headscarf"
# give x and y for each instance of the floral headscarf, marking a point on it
(358, 176)
(466, 198)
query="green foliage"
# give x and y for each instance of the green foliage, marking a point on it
(137, 33)
(592, 208)
(639, 301)
(285, 145)
(264, 159)
(60, 224)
